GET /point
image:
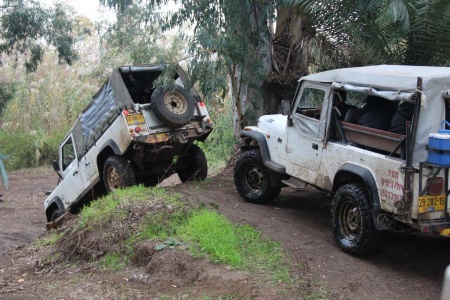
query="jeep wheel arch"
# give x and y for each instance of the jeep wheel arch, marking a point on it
(55, 205)
(109, 148)
(261, 144)
(349, 173)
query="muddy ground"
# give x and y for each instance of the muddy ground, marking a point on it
(408, 267)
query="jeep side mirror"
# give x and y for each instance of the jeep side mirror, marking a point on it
(57, 169)
(285, 107)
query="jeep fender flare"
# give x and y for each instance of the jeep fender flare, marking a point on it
(264, 149)
(109, 148)
(347, 174)
(111, 144)
(55, 203)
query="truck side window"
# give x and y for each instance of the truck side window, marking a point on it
(311, 98)
(68, 153)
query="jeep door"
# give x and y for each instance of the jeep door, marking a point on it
(72, 179)
(307, 133)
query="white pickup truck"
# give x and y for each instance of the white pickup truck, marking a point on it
(131, 132)
(373, 137)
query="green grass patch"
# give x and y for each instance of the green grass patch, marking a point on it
(240, 246)
(105, 209)
(112, 262)
(49, 239)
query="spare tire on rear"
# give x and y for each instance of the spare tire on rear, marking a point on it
(173, 107)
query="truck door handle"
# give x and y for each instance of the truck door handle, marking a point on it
(75, 173)
(315, 146)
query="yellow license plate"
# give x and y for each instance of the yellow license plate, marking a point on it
(135, 119)
(431, 203)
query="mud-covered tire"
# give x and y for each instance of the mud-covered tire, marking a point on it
(173, 107)
(195, 166)
(352, 221)
(118, 173)
(56, 214)
(253, 180)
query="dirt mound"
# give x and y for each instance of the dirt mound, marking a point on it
(177, 268)
(92, 241)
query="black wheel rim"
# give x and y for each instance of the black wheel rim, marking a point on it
(350, 221)
(254, 178)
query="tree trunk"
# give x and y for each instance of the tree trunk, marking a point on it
(259, 90)
(289, 59)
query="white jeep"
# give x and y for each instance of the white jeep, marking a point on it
(384, 156)
(131, 132)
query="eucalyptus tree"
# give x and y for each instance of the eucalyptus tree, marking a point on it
(137, 37)
(27, 28)
(358, 32)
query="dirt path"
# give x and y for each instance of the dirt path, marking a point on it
(409, 267)
(22, 217)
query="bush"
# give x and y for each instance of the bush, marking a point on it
(218, 147)
(28, 149)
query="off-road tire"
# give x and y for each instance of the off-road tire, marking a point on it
(195, 166)
(56, 214)
(173, 107)
(253, 180)
(118, 172)
(352, 222)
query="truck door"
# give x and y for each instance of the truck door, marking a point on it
(73, 182)
(310, 118)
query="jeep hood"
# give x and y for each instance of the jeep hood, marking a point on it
(273, 124)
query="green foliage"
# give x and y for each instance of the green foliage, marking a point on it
(28, 149)
(40, 108)
(352, 33)
(137, 36)
(25, 24)
(229, 37)
(218, 147)
(7, 91)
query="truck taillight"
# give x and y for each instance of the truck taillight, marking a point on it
(125, 112)
(436, 186)
(137, 129)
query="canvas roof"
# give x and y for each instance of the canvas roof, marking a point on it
(384, 77)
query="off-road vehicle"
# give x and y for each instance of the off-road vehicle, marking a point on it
(384, 162)
(133, 131)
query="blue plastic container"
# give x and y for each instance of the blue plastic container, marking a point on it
(439, 146)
